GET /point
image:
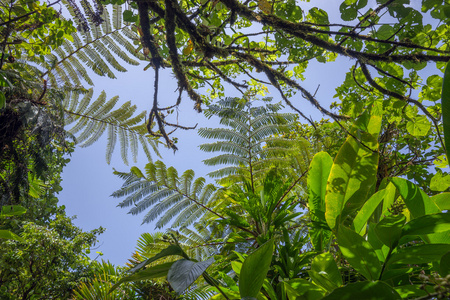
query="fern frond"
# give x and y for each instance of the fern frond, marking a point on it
(170, 196)
(93, 119)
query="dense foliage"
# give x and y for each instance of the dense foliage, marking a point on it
(343, 208)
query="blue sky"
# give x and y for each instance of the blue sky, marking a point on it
(88, 180)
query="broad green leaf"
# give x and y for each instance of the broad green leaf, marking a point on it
(389, 230)
(324, 272)
(169, 251)
(185, 272)
(363, 216)
(380, 249)
(319, 170)
(425, 253)
(2, 100)
(442, 200)
(7, 234)
(419, 204)
(428, 224)
(150, 273)
(440, 182)
(413, 291)
(444, 265)
(254, 270)
(416, 200)
(359, 253)
(393, 273)
(304, 289)
(418, 127)
(366, 290)
(352, 175)
(446, 108)
(12, 210)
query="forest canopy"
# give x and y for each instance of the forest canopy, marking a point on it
(354, 205)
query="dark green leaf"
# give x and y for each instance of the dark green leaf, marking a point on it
(359, 253)
(150, 273)
(446, 108)
(364, 290)
(325, 273)
(419, 254)
(12, 210)
(2, 100)
(444, 265)
(389, 230)
(428, 224)
(254, 270)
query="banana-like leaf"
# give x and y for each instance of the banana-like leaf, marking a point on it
(352, 175)
(446, 109)
(254, 270)
(420, 254)
(325, 273)
(359, 253)
(428, 224)
(319, 170)
(389, 230)
(367, 290)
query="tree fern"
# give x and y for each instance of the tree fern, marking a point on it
(91, 120)
(252, 141)
(252, 145)
(94, 49)
(167, 195)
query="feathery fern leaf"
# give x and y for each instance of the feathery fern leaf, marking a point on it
(95, 49)
(251, 143)
(96, 118)
(167, 194)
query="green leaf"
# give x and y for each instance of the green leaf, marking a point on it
(419, 254)
(2, 100)
(418, 127)
(352, 175)
(446, 108)
(364, 290)
(389, 230)
(324, 272)
(303, 289)
(428, 224)
(12, 210)
(254, 270)
(416, 200)
(169, 251)
(413, 291)
(319, 170)
(185, 272)
(359, 253)
(150, 273)
(442, 201)
(360, 221)
(7, 234)
(444, 265)
(440, 182)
